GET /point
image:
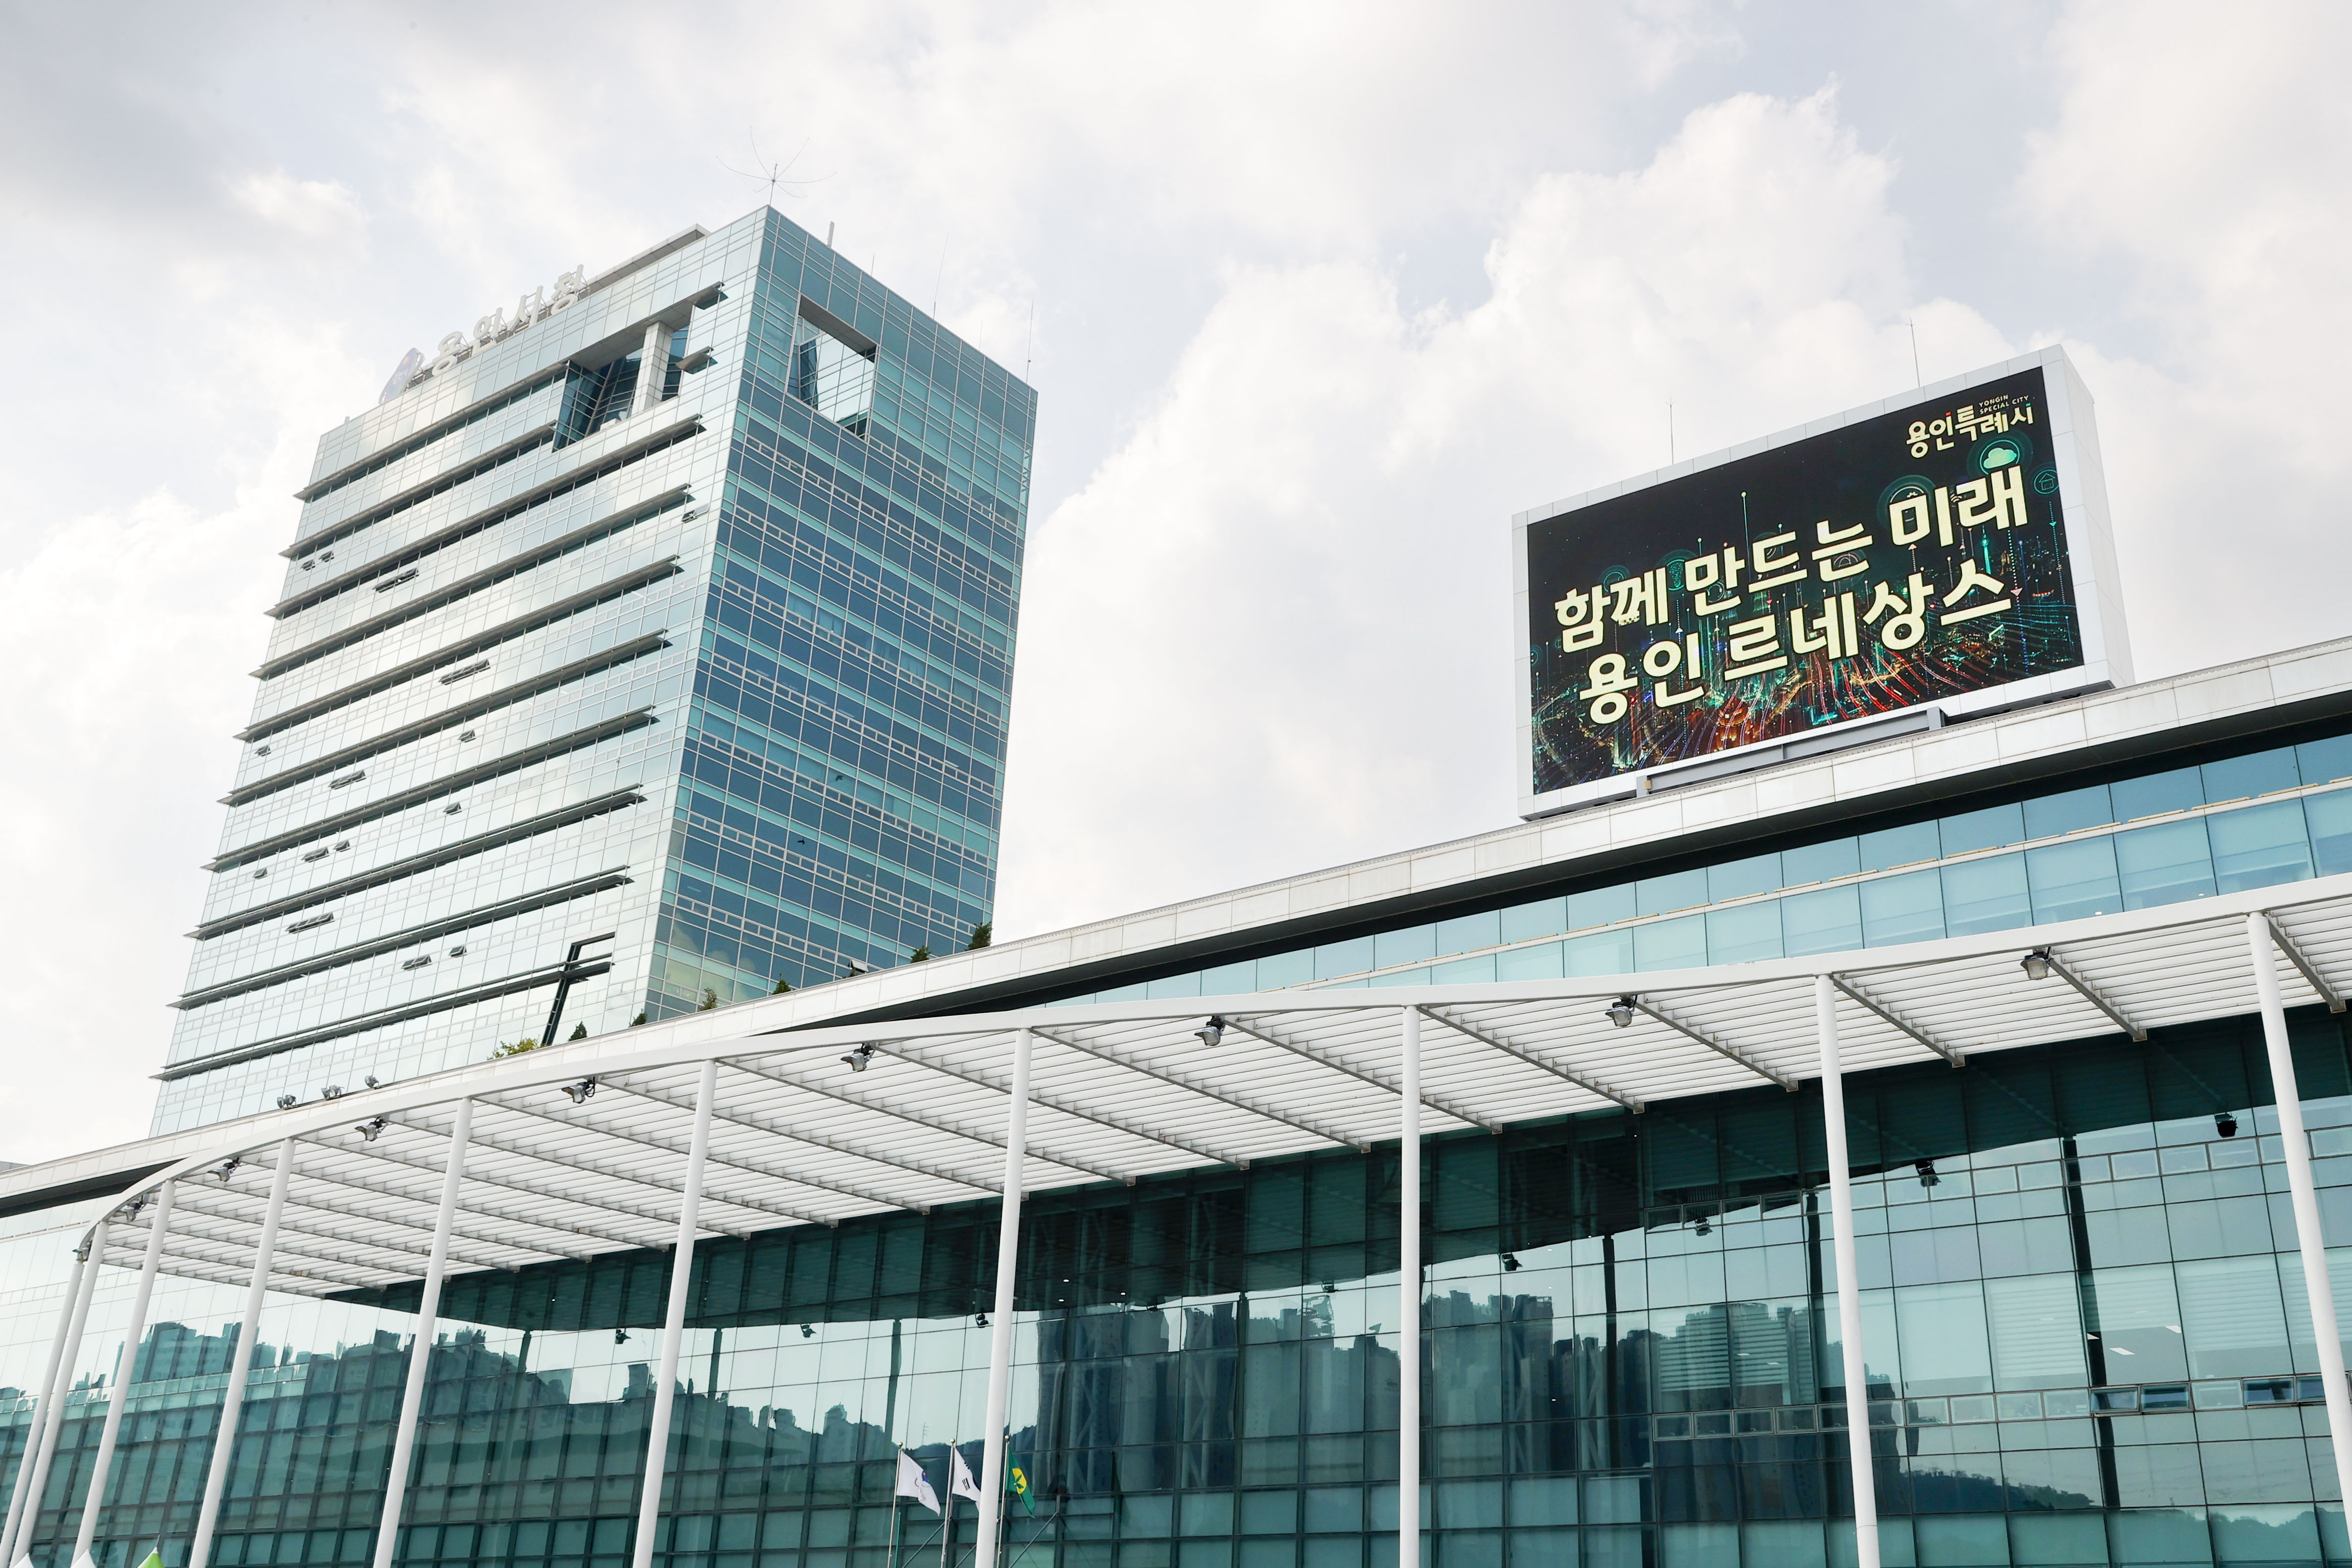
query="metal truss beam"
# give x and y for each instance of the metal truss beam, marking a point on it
(193, 1202)
(499, 1212)
(1502, 1043)
(1063, 1104)
(1206, 1090)
(2304, 966)
(1381, 1081)
(379, 1153)
(1895, 1020)
(215, 1274)
(761, 1124)
(1728, 1052)
(710, 1193)
(2091, 994)
(316, 1258)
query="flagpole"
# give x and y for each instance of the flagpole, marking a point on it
(897, 1511)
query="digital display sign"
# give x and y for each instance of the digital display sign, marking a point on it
(1905, 557)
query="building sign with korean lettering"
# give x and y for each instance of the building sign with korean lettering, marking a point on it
(1900, 559)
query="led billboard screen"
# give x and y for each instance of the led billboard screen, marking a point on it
(1902, 558)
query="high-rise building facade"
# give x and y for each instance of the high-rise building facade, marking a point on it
(675, 608)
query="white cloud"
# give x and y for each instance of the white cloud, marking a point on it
(306, 209)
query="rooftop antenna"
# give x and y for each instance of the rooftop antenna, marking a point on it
(1029, 350)
(774, 175)
(1670, 432)
(1916, 379)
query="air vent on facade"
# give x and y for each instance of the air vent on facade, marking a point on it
(261, 751)
(452, 809)
(309, 566)
(388, 584)
(347, 779)
(342, 844)
(313, 923)
(418, 963)
(263, 872)
(466, 735)
(457, 952)
(456, 676)
(314, 854)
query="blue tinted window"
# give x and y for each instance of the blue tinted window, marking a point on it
(2047, 816)
(1606, 952)
(1403, 977)
(2158, 793)
(1986, 895)
(1120, 994)
(2258, 775)
(2330, 816)
(1995, 827)
(2324, 762)
(1410, 945)
(1545, 917)
(1173, 985)
(1600, 906)
(1229, 980)
(1337, 958)
(2071, 880)
(1826, 922)
(2168, 864)
(1743, 935)
(1286, 969)
(1470, 933)
(1540, 963)
(1821, 862)
(2260, 847)
(1464, 970)
(1671, 944)
(1902, 908)
(1743, 878)
(1664, 895)
(1898, 845)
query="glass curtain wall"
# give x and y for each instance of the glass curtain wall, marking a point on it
(2085, 1329)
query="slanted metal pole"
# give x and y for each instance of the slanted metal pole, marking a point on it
(1849, 1287)
(420, 1354)
(126, 1363)
(2300, 1188)
(53, 1409)
(1000, 1335)
(47, 1386)
(681, 1277)
(1409, 1301)
(240, 1367)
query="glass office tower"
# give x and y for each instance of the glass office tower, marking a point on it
(676, 610)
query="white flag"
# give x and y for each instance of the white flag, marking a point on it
(960, 1481)
(913, 1483)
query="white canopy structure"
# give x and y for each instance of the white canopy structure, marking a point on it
(632, 1142)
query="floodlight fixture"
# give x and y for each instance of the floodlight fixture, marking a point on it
(226, 1169)
(580, 1091)
(2036, 963)
(289, 1101)
(372, 1127)
(333, 1091)
(1212, 1032)
(1621, 1013)
(860, 1059)
(1926, 1171)
(2225, 1122)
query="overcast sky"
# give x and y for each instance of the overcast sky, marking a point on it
(1322, 295)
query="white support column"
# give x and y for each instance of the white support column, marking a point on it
(43, 1446)
(681, 1277)
(240, 1368)
(1849, 1287)
(999, 1336)
(2309, 1240)
(94, 1498)
(653, 366)
(47, 1386)
(420, 1354)
(1409, 1301)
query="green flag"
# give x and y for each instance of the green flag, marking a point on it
(1016, 1481)
(155, 1558)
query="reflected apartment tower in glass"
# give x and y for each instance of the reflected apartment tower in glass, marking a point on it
(672, 606)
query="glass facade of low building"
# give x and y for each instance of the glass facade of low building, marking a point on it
(2084, 1328)
(718, 666)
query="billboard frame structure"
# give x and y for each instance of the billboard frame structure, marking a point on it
(2072, 435)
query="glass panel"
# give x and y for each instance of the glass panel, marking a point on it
(2071, 880)
(2037, 1332)
(1743, 935)
(1403, 977)
(1822, 862)
(1605, 953)
(2324, 762)
(1415, 944)
(1545, 917)
(1942, 1332)
(1540, 962)
(1899, 846)
(2179, 790)
(1600, 906)
(1173, 985)
(1229, 980)
(1286, 969)
(1827, 921)
(2261, 774)
(1986, 895)
(1343, 958)
(2330, 819)
(2168, 864)
(1902, 908)
(1470, 933)
(1664, 895)
(1994, 828)
(2259, 847)
(2046, 816)
(1671, 944)
(1743, 878)
(2137, 1316)
(2231, 1316)
(1465, 971)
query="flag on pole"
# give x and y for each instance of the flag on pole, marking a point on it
(960, 1481)
(914, 1483)
(155, 1558)
(1016, 1481)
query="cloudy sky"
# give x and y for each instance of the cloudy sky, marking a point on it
(1322, 295)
